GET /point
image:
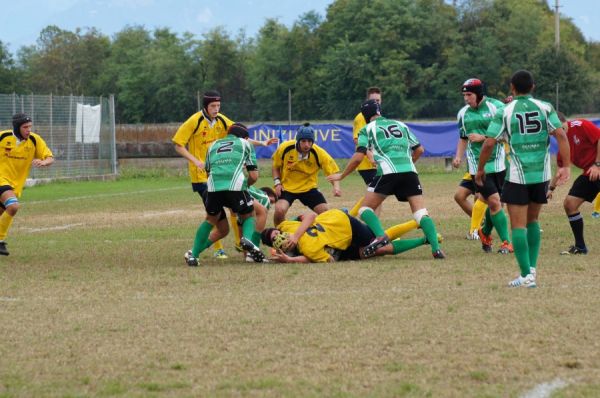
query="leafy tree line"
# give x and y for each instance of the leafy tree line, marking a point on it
(418, 51)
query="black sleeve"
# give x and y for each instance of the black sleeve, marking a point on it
(415, 147)
(251, 167)
(362, 149)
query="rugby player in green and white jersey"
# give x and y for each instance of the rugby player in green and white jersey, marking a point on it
(473, 121)
(526, 124)
(395, 149)
(227, 184)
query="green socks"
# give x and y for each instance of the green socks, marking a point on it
(248, 228)
(201, 242)
(402, 245)
(501, 224)
(488, 224)
(256, 238)
(521, 246)
(370, 218)
(428, 228)
(534, 240)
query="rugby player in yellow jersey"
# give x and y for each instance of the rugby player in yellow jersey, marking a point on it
(296, 164)
(20, 148)
(192, 140)
(330, 236)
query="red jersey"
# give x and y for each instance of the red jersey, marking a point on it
(583, 137)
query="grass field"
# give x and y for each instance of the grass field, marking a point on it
(95, 300)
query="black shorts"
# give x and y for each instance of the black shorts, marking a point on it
(468, 184)
(402, 185)
(493, 184)
(523, 194)
(368, 175)
(202, 189)
(310, 199)
(361, 237)
(585, 189)
(240, 202)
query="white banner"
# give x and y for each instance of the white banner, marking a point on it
(87, 126)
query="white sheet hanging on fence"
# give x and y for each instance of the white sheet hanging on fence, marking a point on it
(87, 125)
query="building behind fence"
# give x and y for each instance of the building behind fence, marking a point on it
(79, 130)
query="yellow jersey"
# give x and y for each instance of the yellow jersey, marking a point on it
(359, 123)
(331, 229)
(198, 134)
(16, 158)
(299, 174)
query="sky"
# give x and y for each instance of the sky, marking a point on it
(22, 20)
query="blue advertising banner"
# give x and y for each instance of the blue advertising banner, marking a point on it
(439, 138)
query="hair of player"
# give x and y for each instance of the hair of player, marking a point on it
(522, 81)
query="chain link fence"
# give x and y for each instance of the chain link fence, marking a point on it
(79, 130)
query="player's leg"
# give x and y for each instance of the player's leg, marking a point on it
(461, 197)
(534, 237)
(243, 204)
(396, 231)
(371, 201)
(571, 205)
(10, 207)
(477, 215)
(516, 196)
(596, 212)
(500, 222)
(422, 217)
(282, 206)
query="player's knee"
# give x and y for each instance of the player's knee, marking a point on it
(363, 209)
(12, 205)
(419, 214)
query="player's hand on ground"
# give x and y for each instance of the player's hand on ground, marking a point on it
(280, 257)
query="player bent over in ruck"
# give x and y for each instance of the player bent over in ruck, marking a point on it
(227, 187)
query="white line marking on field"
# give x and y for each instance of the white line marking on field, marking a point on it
(161, 213)
(544, 390)
(104, 195)
(55, 228)
(9, 299)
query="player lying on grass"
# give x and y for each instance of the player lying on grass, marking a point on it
(331, 236)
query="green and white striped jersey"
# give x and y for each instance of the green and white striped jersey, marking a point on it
(526, 124)
(477, 121)
(260, 196)
(226, 160)
(392, 143)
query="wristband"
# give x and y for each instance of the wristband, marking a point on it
(276, 181)
(597, 164)
(551, 188)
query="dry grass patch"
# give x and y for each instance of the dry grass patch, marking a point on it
(109, 309)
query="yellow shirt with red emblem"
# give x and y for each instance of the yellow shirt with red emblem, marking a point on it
(198, 134)
(16, 157)
(357, 125)
(299, 173)
(330, 230)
